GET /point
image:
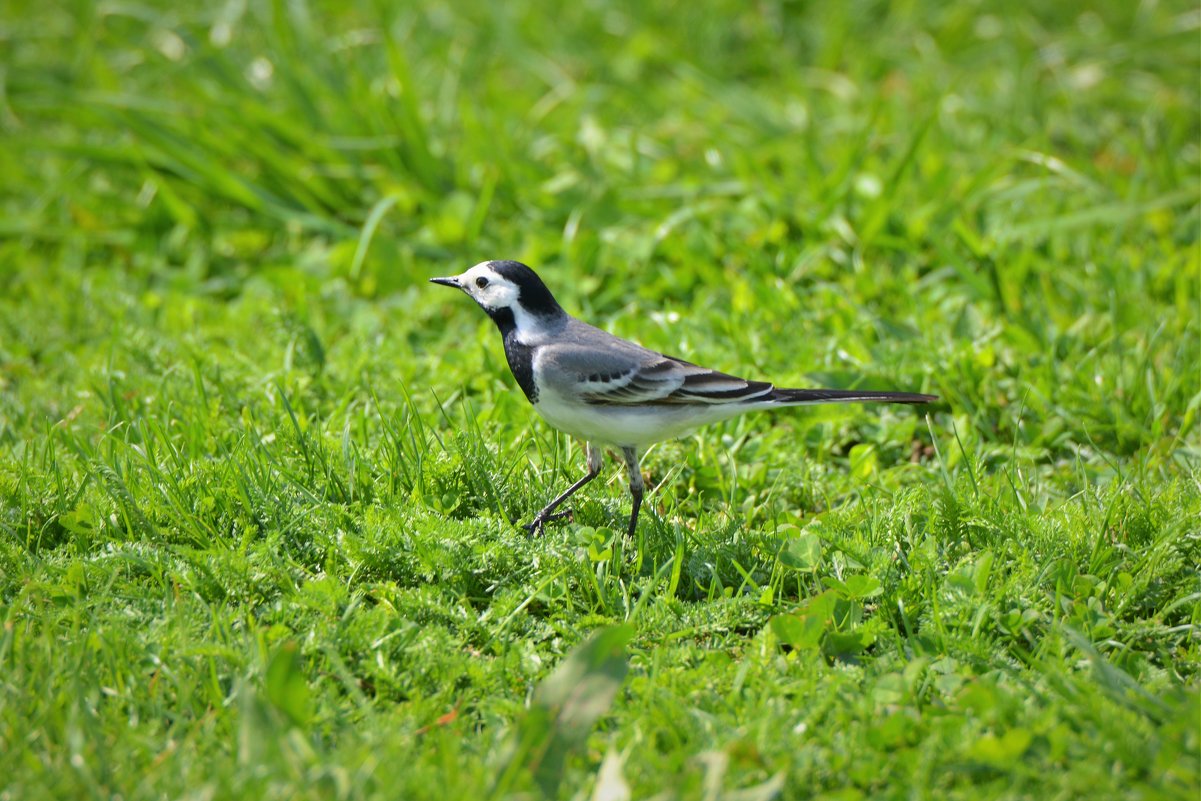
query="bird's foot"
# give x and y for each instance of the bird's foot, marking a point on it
(534, 527)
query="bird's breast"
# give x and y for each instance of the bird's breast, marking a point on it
(521, 361)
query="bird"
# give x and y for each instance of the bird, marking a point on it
(609, 391)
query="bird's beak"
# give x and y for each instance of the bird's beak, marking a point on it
(451, 281)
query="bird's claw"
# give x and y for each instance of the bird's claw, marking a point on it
(534, 527)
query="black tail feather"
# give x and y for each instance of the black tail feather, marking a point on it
(848, 396)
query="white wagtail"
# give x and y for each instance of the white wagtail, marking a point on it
(609, 391)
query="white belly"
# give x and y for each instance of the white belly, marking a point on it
(629, 426)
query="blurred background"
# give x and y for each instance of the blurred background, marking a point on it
(1005, 189)
(973, 200)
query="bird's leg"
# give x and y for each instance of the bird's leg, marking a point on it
(636, 486)
(595, 456)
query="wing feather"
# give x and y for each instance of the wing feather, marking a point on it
(671, 381)
(603, 370)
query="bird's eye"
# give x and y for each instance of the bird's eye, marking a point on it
(481, 282)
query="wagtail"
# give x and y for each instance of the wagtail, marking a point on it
(609, 391)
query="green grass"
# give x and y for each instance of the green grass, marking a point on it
(256, 475)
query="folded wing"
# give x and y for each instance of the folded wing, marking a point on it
(629, 377)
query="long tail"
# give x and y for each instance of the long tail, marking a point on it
(797, 397)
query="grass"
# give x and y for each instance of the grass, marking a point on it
(257, 477)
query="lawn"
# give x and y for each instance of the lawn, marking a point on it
(259, 479)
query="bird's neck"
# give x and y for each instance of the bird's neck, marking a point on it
(522, 325)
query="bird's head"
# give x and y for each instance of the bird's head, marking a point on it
(511, 293)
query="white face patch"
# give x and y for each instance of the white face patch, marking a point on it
(492, 291)
(488, 288)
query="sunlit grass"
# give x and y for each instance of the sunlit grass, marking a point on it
(257, 480)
